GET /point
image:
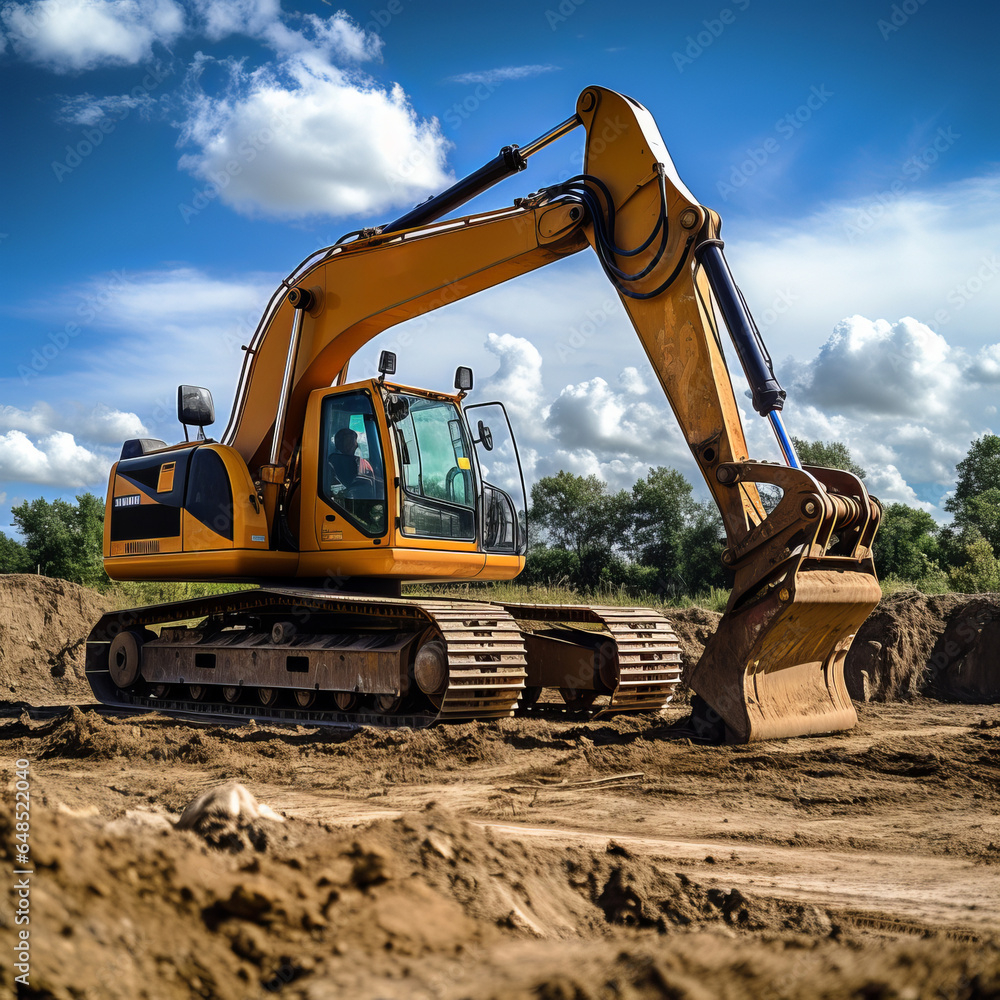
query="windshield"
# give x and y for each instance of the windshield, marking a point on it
(436, 468)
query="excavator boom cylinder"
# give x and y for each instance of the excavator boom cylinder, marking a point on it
(767, 393)
(507, 162)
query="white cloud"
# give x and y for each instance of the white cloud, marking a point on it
(344, 38)
(304, 138)
(99, 424)
(518, 381)
(590, 427)
(633, 382)
(86, 109)
(56, 460)
(68, 450)
(501, 74)
(876, 368)
(109, 426)
(985, 368)
(888, 484)
(73, 35)
(929, 254)
(220, 18)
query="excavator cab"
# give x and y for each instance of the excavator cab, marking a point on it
(404, 477)
(392, 483)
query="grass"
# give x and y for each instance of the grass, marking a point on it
(515, 593)
(136, 594)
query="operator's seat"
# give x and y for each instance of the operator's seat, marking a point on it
(345, 467)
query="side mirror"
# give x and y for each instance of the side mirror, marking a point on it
(485, 437)
(387, 363)
(194, 407)
(396, 408)
(463, 379)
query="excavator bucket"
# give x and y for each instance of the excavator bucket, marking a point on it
(775, 667)
(805, 582)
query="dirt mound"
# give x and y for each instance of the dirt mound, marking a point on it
(44, 625)
(965, 662)
(426, 905)
(693, 627)
(918, 644)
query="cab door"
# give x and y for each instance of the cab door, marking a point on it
(502, 499)
(351, 474)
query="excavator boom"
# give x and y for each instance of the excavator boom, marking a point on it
(804, 577)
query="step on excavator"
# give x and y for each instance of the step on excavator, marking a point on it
(328, 494)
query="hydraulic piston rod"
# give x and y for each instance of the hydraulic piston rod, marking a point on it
(768, 396)
(508, 161)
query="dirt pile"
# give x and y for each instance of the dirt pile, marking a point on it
(44, 625)
(693, 626)
(426, 905)
(965, 662)
(944, 645)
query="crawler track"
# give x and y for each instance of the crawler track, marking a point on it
(485, 654)
(646, 656)
(484, 644)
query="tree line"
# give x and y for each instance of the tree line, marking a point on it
(652, 539)
(657, 539)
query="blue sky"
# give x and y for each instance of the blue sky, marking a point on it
(851, 150)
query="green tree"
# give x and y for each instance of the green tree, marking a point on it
(980, 573)
(906, 545)
(828, 455)
(976, 500)
(574, 512)
(13, 556)
(550, 566)
(978, 472)
(662, 506)
(702, 543)
(64, 540)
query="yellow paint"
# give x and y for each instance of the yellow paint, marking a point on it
(165, 482)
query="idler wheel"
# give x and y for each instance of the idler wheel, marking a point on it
(125, 658)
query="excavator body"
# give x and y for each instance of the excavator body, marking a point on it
(193, 512)
(329, 494)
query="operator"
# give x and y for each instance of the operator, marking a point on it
(346, 443)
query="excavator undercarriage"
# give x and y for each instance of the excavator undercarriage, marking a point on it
(306, 656)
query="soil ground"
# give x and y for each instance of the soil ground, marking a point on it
(527, 858)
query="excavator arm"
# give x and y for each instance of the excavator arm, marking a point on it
(804, 578)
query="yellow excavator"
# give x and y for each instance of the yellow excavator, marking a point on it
(328, 494)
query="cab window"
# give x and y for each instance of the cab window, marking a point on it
(352, 473)
(439, 498)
